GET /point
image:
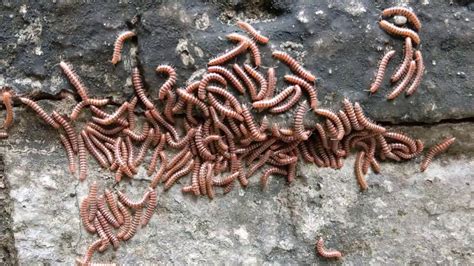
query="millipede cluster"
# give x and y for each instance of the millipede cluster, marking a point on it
(409, 73)
(225, 143)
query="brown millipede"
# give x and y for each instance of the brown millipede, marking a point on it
(251, 87)
(103, 237)
(78, 107)
(178, 157)
(92, 200)
(326, 253)
(402, 138)
(289, 103)
(134, 225)
(358, 170)
(84, 213)
(267, 103)
(411, 17)
(102, 114)
(435, 150)
(349, 109)
(108, 132)
(71, 134)
(169, 83)
(105, 213)
(345, 122)
(272, 82)
(150, 208)
(112, 202)
(365, 122)
(90, 251)
(227, 95)
(108, 231)
(240, 48)
(322, 135)
(127, 221)
(116, 56)
(69, 152)
(181, 163)
(202, 178)
(157, 177)
(101, 159)
(255, 153)
(144, 148)
(420, 68)
(298, 121)
(209, 184)
(41, 113)
(7, 101)
(252, 32)
(254, 51)
(163, 122)
(294, 65)
(223, 109)
(74, 79)
(156, 153)
(140, 91)
(260, 79)
(134, 204)
(267, 173)
(261, 162)
(334, 119)
(206, 79)
(404, 83)
(184, 171)
(82, 158)
(189, 89)
(228, 75)
(202, 149)
(381, 71)
(254, 131)
(110, 119)
(402, 69)
(189, 98)
(313, 96)
(181, 143)
(395, 30)
(225, 181)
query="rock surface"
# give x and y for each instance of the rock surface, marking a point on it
(404, 217)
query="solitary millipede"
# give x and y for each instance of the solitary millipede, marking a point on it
(116, 56)
(381, 71)
(41, 113)
(435, 150)
(74, 79)
(326, 253)
(251, 30)
(240, 48)
(294, 65)
(169, 83)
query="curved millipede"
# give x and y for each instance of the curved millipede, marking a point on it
(108, 231)
(435, 150)
(326, 253)
(254, 132)
(71, 133)
(395, 30)
(127, 221)
(260, 79)
(298, 121)
(229, 76)
(110, 119)
(404, 83)
(249, 85)
(334, 119)
(187, 157)
(294, 65)
(105, 212)
(272, 82)
(112, 203)
(349, 109)
(134, 224)
(240, 48)
(252, 46)
(209, 184)
(358, 170)
(267, 103)
(74, 79)
(403, 68)
(189, 98)
(92, 197)
(365, 122)
(381, 71)
(41, 113)
(133, 204)
(94, 151)
(140, 91)
(179, 106)
(84, 214)
(202, 149)
(184, 171)
(206, 79)
(104, 115)
(403, 11)
(116, 56)
(267, 173)
(150, 208)
(313, 96)
(252, 32)
(223, 109)
(169, 83)
(69, 152)
(227, 95)
(289, 103)
(7, 101)
(420, 68)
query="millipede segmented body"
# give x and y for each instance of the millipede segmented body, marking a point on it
(404, 83)
(71, 133)
(252, 32)
(334, 119)
(105, 212)
(267, 103)
(90, 251)
(249, 85)
(133, 204)
(292, 100)
(349, 109)
(267, 173)
(189, 89)
(69, 152)
(92, 200)
(229, 76)
(402, 69)
(140, 91)
(298, 121)
(381, 71)
(113, 118)
(7, 101)
(240, 48)
(260, 79)
(169, 83)
(229, 112)
(435, 150)
(294, 65)
(98, 155)
(84, 213)
(252, 46)
(365, 122)
(395, 30)
(190, 99)
(420, 68)
(358, 170)
(150, 208)
(112, 203)
(41, 113)
(172, 179)
(227, 95)
(403, 11)
(209, 184)
(74, 79)
(313, 96)
(82, 154)
(116, 56)
(108, 231)
(206, 79)
(326, 253)
(134, 225)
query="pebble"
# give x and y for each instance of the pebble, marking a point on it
(400, 20)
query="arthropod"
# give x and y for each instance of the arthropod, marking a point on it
(157, 177)
(134, 225)
(172, 179)
(138, 86)
(223, 109)
(190, 99)
(322, 135)
(144, 148)
(93, 150)
(358, 170)
(261, 162)
(381, 71)
(227, 95)
(349, 109)
(116, 56)
(402, 69)
(267, 103)
(202, 178)
(127, 221)
(345, 122)
(105, 213)
(209, 184)
(92, 200)
(163, 122)
(260, 79)
(108, 231)
(395, 30)
(251, 30)
(404, 83)
(181, 143)
(226, 180)
(289, 103)
(202, 149)
(254, 132)
(78, 107)
(108, 132)
(206, 79)
(411, 17)
(294, 65)
(134, 204)
(251, 87)
(189, 89)
(298, 121)
(420, 68)
(228, 75)
(120, 121)
(69, 152)
(240, 48)
(326, 253)
(335, 119)
(84, 213)
(41, 113)
(112, 202)
(68, 128)
(272, 81)
(110, 119)
(267, 173)
(121, 160)
(255, 52)
(365, 122)
(195, 176)
(169, 83)
(7, 101)
(435, 150)
(156, 153)
(90, 251)
(313, 96)
(74, 79)
(82, 159)
(138, 136)
(402, 138)
(150, 208)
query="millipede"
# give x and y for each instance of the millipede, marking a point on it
(395, 30)
(292, 100)
(260, 79)
(381, 71)
(240, 48)
(404, 83)
(71, 133)
(420, 68)
(169, 83)
(326, 253)
(435, 150)
(7, 101)
(69, 152)
(252, 32)
(138, 86)
(294, 65)
(229, 76)
(41, 113)
(74, 79)
(117, 54)
(403, 11)
(150, 208)
(403, 68)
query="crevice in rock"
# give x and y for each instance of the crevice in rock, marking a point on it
(428, 124)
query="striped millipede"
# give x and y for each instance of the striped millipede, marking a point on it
(178, 157)
(420, 68)
(272, 82)
(191, 99)
(156, 153)
(184, 171)
(69, 152)
(107, 132)
(41, 113)
(209, 184)
(116, 56)
(294, 65)
(98, 155)
(402, 69)
(251, 87)
(240, 48)
(326, 253)
(228, 75)
(105, 213)
(254, 132)
(110, 119)
(84, 213)
(182, 142)
(206, 79)
(108, 231)
(298, 121)
(404, 83)
(169, 173)
(127, 221)
(195, 177)
(92, 197)
(74, 79)
(119, 121)
(313, 96)
(118, 157)
(381, 71)
(78, 107)
(435, 150)
(157, 177)
(395, 30)
(260, 79)
(252, 32)
(157, 116)
(169, 83)
(179, 106)
(7, 101)
(262, 161)
(227, 95)
(71, 133)
(150, 208)
(402, 138)
(144, 148)
(358, 170)
(411, 17)
(349, 109)
(252, 46)
(134, 225)
(322, 135)
(82, 158)
(267, 173)
(134, 204)
(202, 149)
(365, 122)
(223, 109)
(138, 136)
(140, 91)
(202, 178)
(112, 203)
(90, 252)
(292, 100)
(96, 134)
(334, 119)
(345, 122)
(255, 153)
(267, 103)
